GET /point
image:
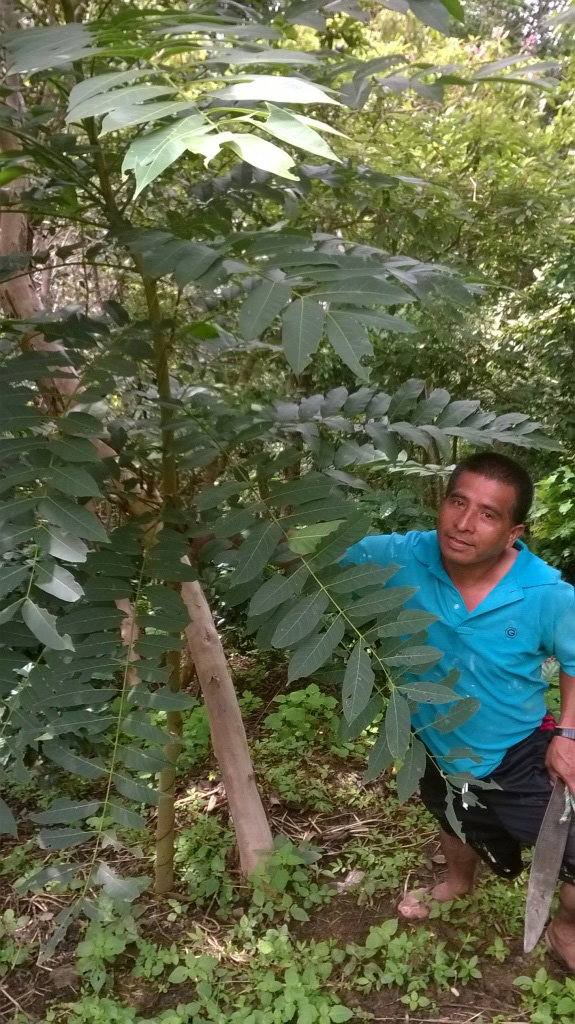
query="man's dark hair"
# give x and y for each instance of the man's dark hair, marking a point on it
(495, 466)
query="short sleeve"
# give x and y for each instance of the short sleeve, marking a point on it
(380, 548)
(564, 628)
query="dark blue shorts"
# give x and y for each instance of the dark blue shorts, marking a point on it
(511, 816)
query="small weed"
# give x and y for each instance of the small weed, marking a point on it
(284, 885)
(12, 952)
(102, 944)
(548, 1001)
(202, 852)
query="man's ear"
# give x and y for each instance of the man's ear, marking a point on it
(515, 534)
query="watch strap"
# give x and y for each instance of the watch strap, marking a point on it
(568, 734)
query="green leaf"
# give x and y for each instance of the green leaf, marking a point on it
(262, 306)
(429, 693)
(63, 545)
(303, 323)
(80, 424)
(60, 873)
(63, 838)
(125, 817)
(58, 581)
(315, 651)
(133, 114)
(380, 603)
(411, 771)
(77, 764)
(8, 612)
(125, 890)
(281, 89)
(275, 591)
(209, 497)
(66, 812)
(72, 518)
(410, 620)
(312, 487)
(356, 528)
(363, 291)
(357, 577)
(236, 522)
(358, 682)
(433, 13)
(404, 399)
(141, 760)
(107, 588)
(74, 449)
(103, 103)
(456, 716)
(380, 756)
(11, 577)
(131, 789)
(43, 626)
(300, 620)
(307, 538)
(414, 657)
(351, 730)
(339, 1014)
(260, 153)
(7, 820)
(152, 645)
(139, 724)
(349, 339)
(163, 700)
(397, 725)
(256, 552)
(16, 508)
(75, 481)
(293, 129)
(151, 154)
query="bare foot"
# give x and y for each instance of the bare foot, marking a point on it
(561, 943)
(415, 905)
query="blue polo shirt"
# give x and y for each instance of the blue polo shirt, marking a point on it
(498, 648)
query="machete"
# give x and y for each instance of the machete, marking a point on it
(546, 865)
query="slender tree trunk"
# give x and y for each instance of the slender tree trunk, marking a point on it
(229, 741)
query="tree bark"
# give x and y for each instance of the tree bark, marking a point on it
(229, 741)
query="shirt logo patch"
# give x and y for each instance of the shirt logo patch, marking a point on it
(511, 632)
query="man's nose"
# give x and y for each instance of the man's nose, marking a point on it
(466, 520)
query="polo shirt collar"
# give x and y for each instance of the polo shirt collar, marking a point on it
(507, 591)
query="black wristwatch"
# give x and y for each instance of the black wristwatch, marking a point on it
(569, 734)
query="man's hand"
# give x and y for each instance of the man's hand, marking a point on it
(560, 761)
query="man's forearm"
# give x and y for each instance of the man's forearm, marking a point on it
(567, 688)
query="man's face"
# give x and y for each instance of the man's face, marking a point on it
(475, 522)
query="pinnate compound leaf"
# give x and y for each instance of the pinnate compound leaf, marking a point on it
(7, 820)
(43, 625)
(125, 889)
(63, 838)
(300, 620)
(256, 552)
(275, 591)
(262, 306)
(65, 812)
(163, 699)
(358, 682)
(303, 323)
(315, 651)
(72, 518)
(411, 771)
(397, 725)
(125, 817)
(64, 546)
(429, 693)
(134, 790)
(380, 756)
(349, 340)
(456, 716)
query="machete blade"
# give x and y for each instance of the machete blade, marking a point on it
(547, 859)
